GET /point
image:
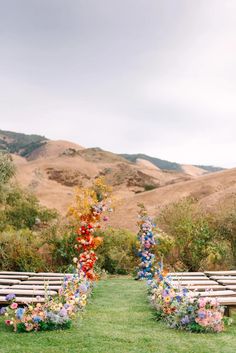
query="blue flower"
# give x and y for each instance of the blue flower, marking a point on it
(20, 313)
(37, 319)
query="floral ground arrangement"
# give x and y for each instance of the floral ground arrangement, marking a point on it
(175, 305)
(118, 319)
(181, 310)
(57, 312)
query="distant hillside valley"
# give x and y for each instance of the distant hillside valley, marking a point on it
(52, 169)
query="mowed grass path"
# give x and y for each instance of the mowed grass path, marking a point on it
(118, 320)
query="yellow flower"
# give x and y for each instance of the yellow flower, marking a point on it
(167, 299)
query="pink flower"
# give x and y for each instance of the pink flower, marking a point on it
(8, 322)
(14, 306)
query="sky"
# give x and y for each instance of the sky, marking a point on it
(130, 76)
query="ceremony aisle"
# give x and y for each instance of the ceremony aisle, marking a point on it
(118, 319)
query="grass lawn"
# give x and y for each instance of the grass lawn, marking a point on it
(118, 320)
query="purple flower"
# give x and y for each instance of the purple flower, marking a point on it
(185, 320)
(201, 315)
(3, 310)
(83, 288)
(10, 297)
(63, 312)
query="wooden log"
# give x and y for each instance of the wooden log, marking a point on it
(220, 273)
(23, 300)
(52, 274)
(187, 274)
(227, 281)
(9, 281)
(14, 277)
(222, 278)
(194, 283)
(215, 294)
(10, 273)
(232, 287)
(26, 292)
(187, 278)
(36, 287)
(42, 282)
(41, 279)
(228, 301)
(205, 287)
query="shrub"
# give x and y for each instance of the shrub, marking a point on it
(117, 252)
(19, 251)
(196, 241)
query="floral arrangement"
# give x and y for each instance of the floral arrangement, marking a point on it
(174, 304)
(87, 214)
(180, 309)
(55, 312)
(147, 242)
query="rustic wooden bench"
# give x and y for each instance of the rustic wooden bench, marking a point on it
(46, 282)
(35, 286)
(187, 274)
(206, 287)
(9, 281)
(189, 278)
(220, 273)
(23, 300)
(27, 292)
(215, 294)
(20, 277)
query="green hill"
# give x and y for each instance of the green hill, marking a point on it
(19, 143)
(160, 163)
(167, 165)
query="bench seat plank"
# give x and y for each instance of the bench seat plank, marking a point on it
(14, 277)
(23, 300)
(35, 287)
(9, 281)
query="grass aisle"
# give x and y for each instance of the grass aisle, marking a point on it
(118, 320)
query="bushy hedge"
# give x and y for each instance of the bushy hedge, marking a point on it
(198, 239)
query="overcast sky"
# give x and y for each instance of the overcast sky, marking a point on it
(150, 76)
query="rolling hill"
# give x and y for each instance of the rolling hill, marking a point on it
(52, 169)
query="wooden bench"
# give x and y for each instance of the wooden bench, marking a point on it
(23, 300)
(206, 287)
(220, 273)
(222, 278)
(187, 274)
(10, 273)
(26, 292)
(36, 286)
(196, 283)
(215, 294)
(189, 278)
(9, 281)
(42, 282)
(41, 279)
(20, 277)
(227, 281)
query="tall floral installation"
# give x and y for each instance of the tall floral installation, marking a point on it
(147, 242)
(178, 307)
(57, 312)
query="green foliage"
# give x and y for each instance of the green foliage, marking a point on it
(224, 224)
(148, 187)
(22, 210)
(117, 252)
(19, 251)
(22, 144)
(7, 168)
(196, 243)
(160, 163)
